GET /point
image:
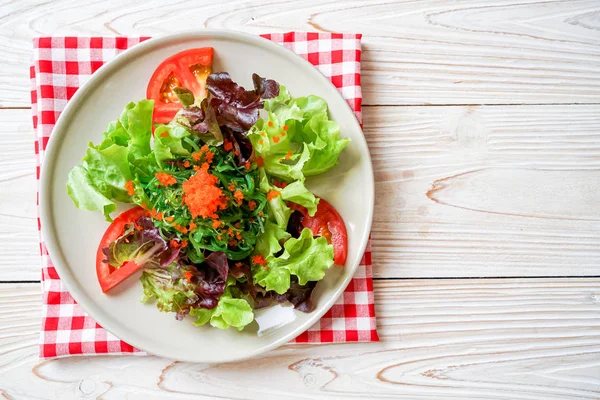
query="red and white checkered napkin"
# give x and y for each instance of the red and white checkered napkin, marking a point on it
(60, 66)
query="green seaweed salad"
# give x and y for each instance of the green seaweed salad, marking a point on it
(222, 223)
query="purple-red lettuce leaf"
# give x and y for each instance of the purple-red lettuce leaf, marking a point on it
(236, 107)
(265, 88)
(202, 122)
(300, 296)
(218, 262)
(144, 246)
(242, 146)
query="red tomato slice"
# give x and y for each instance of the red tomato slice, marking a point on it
(188, 69)
(327, 222)
(109, 276)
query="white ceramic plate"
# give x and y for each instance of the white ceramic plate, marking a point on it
(72, 235)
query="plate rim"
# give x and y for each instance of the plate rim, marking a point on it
(48, 229)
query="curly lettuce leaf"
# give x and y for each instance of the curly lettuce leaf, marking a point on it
(297, 193)
(110, 170)
(85, 195)
(278, 211)
(170, 290)
(168, 142)
(136, 119)
(306, 257)
(326, 146)
(123, 155)
(236, 107)
(269, 241)
(298, 139)
(229, 312)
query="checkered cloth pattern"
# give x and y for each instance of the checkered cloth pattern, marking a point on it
(63, 64)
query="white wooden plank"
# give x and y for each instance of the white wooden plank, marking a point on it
(485, 191)
(426, 52)
(450, 339)
(461, 191)
(18, 226)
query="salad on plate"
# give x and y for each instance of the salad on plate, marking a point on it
(222, 222)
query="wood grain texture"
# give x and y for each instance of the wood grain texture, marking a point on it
(451, 339)
(18, 226)
(461, 191)
(426, 52)
(485, 191)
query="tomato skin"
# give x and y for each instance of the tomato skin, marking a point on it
(108, 276)
(327, 222)
(178, 65)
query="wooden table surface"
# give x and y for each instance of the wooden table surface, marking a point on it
(483, 121)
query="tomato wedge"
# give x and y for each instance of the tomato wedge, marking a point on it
(188, 69)
(327, 222)
(109, 276)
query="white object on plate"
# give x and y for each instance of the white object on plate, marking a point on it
(271, 318)
(72, 235)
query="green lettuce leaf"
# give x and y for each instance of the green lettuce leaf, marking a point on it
(298, 139)
(100, 179)
(268, 242)
(85, 195)
(168, 142)
(278, 211)
(326, 145)
(297, 193)
(136, 119)
(109, 170)
(229, 312)
(170, 295)
(123, 155)
(306, 257)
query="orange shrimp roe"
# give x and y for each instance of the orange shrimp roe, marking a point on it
(129, 187)
(259, 260)
(180, 228)
(164, 134)
(270, 123)
(227, 145)
(275, 139)
(272, 194)
(260, 161)
(192, 226)
(188, 276)
(216, 223)
(239, 196)
(201, 194)
(157, 215)
(165, 179)
(252, 205)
